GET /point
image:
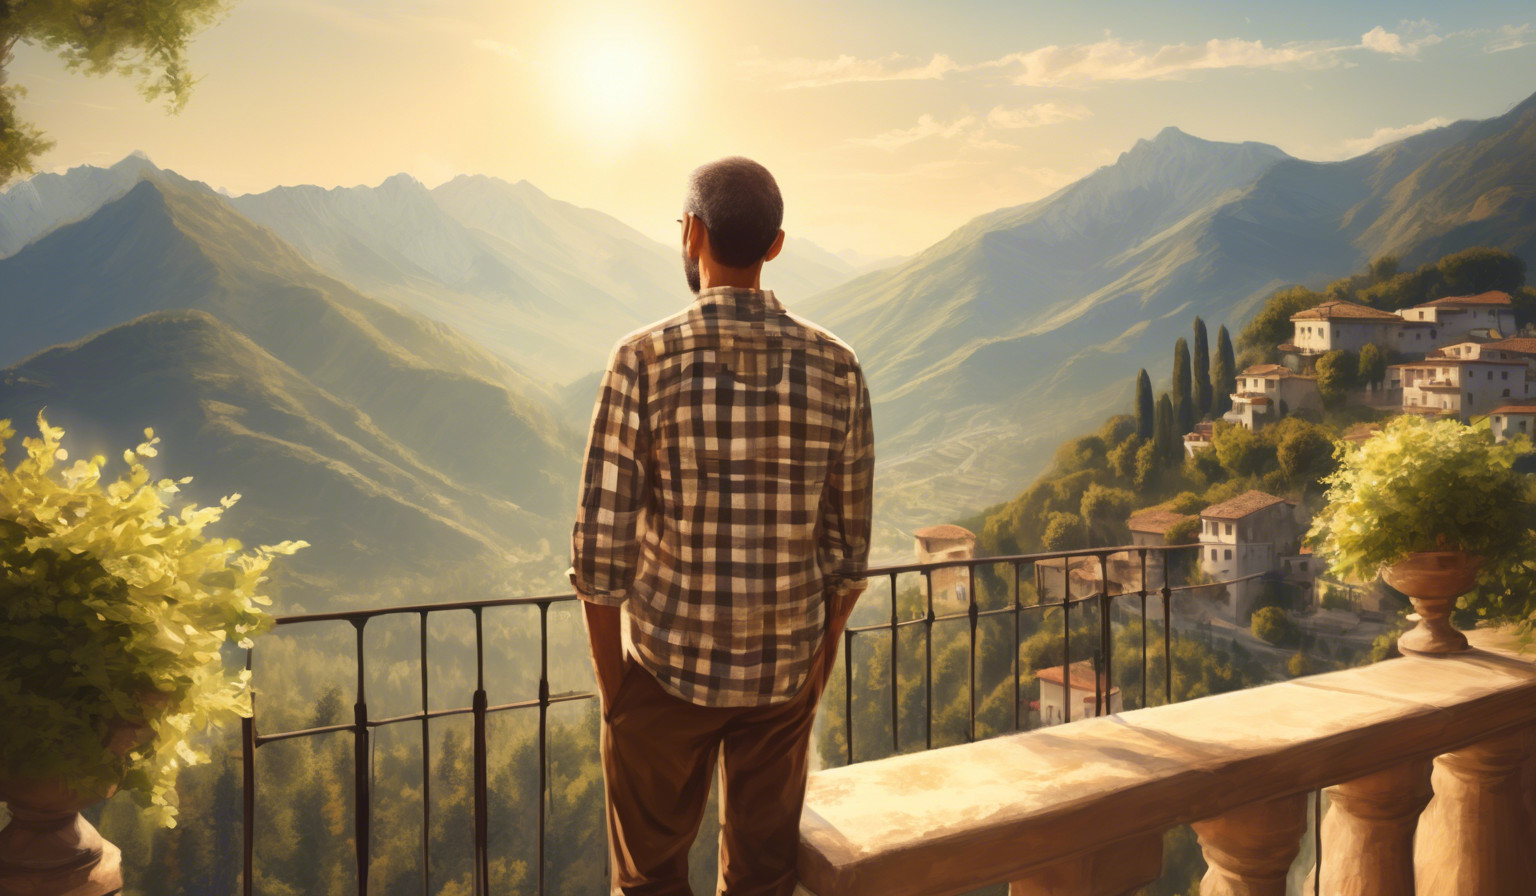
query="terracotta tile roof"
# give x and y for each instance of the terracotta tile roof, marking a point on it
(945, 531)
(1515, 409)
(1082, 676)
(1156, 520)
(1241, 506)
(1493, 297)
(1521, 345)
(1342, 310)
(1289, 348)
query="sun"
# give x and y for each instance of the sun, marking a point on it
(616, 81)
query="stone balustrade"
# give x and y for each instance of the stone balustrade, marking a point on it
(1429, 763)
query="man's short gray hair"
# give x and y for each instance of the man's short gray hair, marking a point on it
(738, 202)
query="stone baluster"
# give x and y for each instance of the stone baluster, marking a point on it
(1250, 849)
(1119, 869)
(1368, 832)
(1474, 839)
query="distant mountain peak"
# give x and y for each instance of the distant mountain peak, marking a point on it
(401, 181)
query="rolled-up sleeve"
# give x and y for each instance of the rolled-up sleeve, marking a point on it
(847, 504)
(604, 542)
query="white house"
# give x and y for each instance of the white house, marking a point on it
(1487, 314)
(1244, 536)
(936, 544)
(1349, 326)
(1149, 528)
(1462, 387)
(1080, 690)
(1263, 391)
(1512, 420)
(1198, 439)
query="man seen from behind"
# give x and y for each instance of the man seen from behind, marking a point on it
(725, 506)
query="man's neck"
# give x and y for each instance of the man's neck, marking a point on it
(742, 278)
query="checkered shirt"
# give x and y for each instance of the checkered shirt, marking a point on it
(726, 494)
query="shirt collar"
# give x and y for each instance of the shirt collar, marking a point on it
(745, 302)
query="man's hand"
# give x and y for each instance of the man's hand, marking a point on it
(839, 608)
(607, 650)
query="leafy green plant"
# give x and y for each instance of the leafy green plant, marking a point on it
(113, 613)
(1423, 485)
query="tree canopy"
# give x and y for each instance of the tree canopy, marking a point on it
(142, 39)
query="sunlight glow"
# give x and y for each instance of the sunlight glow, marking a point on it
(615, 81)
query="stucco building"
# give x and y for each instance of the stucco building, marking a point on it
(936, 544)
(1265, 390)
(1461, 387)
(1080, 689)
(1246, 536)
(1488, 315)
(1512, 420)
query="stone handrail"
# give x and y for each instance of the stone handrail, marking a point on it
(1082, 808)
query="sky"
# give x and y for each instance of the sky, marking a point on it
(886, 124)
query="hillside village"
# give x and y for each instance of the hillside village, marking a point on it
(1344, 362)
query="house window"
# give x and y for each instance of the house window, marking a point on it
(1303, 566)
(1522, 426)
(1229, 553)
(1432, 333)
(1503, 374)
(1506, 393)
(1229, 528)
(1213, 553)
(1469, 399)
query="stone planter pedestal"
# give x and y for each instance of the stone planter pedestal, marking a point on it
(49, 849)
(1433, 580)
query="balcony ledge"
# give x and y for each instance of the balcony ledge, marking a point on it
(953, 819)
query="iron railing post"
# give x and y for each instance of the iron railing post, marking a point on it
(482, 813)
(895, 680)
(362, 820)
(1066, 639)
(543, 730)
(1018, 611)
(426, 767)
(928, 659)
(972, 611)
(248, 789)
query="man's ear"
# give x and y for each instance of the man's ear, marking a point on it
(694, 236)
(773, 250)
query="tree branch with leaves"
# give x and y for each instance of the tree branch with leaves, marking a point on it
(141, 39)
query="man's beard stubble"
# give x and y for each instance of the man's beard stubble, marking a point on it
(691, 272)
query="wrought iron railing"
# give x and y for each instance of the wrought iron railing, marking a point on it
(363, 726)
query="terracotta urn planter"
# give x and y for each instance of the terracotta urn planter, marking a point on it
(1433, 580)
(49, 849)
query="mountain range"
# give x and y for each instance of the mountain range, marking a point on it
(402, 375)
(1028, 324)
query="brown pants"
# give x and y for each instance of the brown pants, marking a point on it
(658, 755)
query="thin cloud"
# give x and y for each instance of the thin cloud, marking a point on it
(1512, 37)
(847, 69)
(1035, 116)
(927, 127)
(976, 130)
(500, 49)
(1383, 136)
(1112, 59)
(1380, 40)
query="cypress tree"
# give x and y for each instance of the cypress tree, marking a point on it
(1223, 374)
(1183, 397)
(1202, 361)
(1162, 431)
(1144, 408)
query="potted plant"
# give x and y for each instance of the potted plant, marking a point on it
(1435, 507)
(113, 613)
